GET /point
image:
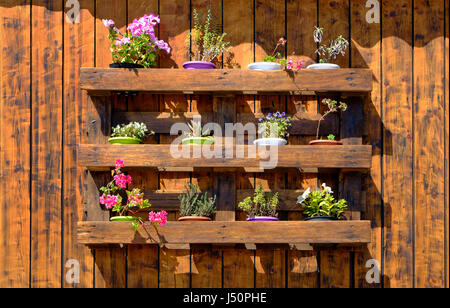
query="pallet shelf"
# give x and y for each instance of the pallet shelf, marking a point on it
(103, 81)
(239, 232)
(159, 156)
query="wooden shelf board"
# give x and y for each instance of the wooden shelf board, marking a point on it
(102, 81)
(240, 232)
(351, 157)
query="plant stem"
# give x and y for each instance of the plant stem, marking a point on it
(320, 121)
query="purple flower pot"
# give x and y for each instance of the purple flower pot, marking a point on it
(199, 65)
(263, 219)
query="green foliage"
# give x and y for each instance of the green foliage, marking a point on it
(261, 205)
(333, 106)
(321, 203)
(274, 58)
(194, 203)
(134, 130)
(206, 42)
(275, 125)
(196, 130)
(331, 137)
(328, 53)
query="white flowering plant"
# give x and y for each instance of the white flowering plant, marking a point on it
(133, 130)
(321, 203)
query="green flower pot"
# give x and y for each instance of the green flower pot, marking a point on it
(198, 140)
(123, 219)
(124, 140)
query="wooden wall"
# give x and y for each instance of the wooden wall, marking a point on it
(41, 122)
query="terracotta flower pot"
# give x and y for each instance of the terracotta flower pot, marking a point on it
(261, 218)
(322, 218)
(125, 65)
(124, 140)
(325, 142)
(199, 65)
(194, 218)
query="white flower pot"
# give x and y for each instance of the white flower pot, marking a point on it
(265, 66)
(324, 66)
(270, 142)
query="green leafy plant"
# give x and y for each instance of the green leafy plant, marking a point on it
(333, 106)
(331, 137)
(194, 203)
(275, 125)
(133, 130)
(326, 53)
(206, 42)
(261, 205)
(196, 130)
(321, 203)
(276, 55)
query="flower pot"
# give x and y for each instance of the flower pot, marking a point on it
(322, 218)
(265, 66)
(124, 140)
(325, 142)
(194, 218)
(199, 65)
(125, 65)
(324, 66)
(261, 218)
(123, 219)
(198, 140)
(270, 142)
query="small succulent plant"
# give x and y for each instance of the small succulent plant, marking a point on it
(133, 130)
(196, 130)
(326, 53)
(261, 205)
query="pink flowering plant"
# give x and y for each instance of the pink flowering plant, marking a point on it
(139, 44)
(112, 199)
(288, 64)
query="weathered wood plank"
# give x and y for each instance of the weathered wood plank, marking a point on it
(15, 111)
(429, 123)
(446, 136)
(398, 143)
(347, 157)
(239, 232)
(238, 81)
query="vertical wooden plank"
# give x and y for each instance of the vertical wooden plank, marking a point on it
(142, 267)
(238, 268)
(366, 53)
(79, 51)
(206, 267)
(334, 18)
(15, 111)
(446, 136)
(238, 24)
(270, 22)
(110, 262)
(429, 147)
(397, 143)
(47, 143)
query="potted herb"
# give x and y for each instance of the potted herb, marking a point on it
(133, 133)
(270, 63)
(196, 135)
(113, 198)
(262, 207)
(196, 206)
(138, 47)
(328, 53)
(333, 106)
(320, 205)
(273, 129)
(205, 42)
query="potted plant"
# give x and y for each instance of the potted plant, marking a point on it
(132, 133)
(196, 206)
(262, 207)
(196, 135)
(113, 199)
(273, 129)
(333, 106)
(320, 205)
(205, 42)
(138, 47)
(270, 62)
(328, 53)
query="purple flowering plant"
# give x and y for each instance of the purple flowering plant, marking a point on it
(139, 44)
(275, 125)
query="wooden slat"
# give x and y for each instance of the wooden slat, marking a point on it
(347, 157)
(15, 142)
(180, 81)
(283, 232)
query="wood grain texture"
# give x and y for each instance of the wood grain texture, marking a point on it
(142, 266)
(398, 143)
(15, 144)
(446, 136)
(429, 147)
(208, 81)
(47, 94)
(238, 232)
(348, 157)
(110, 268)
